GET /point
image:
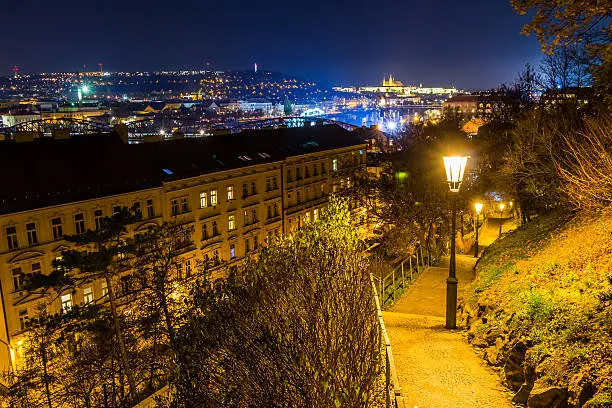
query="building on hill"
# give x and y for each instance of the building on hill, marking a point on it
(235, 190)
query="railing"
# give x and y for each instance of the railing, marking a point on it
(400, 276)
(393, 390)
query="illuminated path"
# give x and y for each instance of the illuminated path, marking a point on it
(437, 368)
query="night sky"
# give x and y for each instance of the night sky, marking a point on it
(468, 44)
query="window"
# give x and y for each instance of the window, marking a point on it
(307, 217)
(79, 223)
(136, 209)
(246, 217)
(116, 209)
(335, 165)
(276, 209)
(298, 173)
(36, 268)
(150, 212)
(23, 319)
(253, 189)
(268, 184)
(56, 227)
(245, 191)
(306, 172)
(254, 215)
(315, 214)
(231, 223)
(31, 232)
(188, 267)
(255, 242)
(87, 296)
(314, 170)
(213, 197)
(18, 278)
(215, 229)
(174, 206)
(230, 193)
(11, 238)
(98, 217)
(299, 197)
(104, 289)
(232, 251)
(323, 171)
(204, 232)
(289, 175)
(66, 302)
(247, 246)
(184, 204)
(275, 183)
(269, 211)
(203, 201)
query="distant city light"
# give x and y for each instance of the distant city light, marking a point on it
(392, 125)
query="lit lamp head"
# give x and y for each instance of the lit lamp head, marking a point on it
(502, 206)
(478, 207)
(455, 168)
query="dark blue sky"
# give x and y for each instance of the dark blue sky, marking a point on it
(469, 44)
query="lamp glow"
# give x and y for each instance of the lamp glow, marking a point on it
(478, 207)
(502, 206)
(455, 168)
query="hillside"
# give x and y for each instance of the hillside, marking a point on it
(541, 310)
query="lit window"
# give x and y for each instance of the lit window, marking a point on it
(232, 251)
(11, 238)
(87, 296)
(104, 289)
(66, 302)
(188, 267)
(246, 217)
(231, 223)
(335, 165)
(315, 214)
(203, 201)
(230, 193)
(213, 197)
(31, 232)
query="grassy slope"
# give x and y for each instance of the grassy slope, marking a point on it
(548, 283)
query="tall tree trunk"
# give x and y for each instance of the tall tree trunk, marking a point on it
(46, 373)
(119, 334)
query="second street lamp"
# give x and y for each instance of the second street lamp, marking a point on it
(455, 168)
(478, 208)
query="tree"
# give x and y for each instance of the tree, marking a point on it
(586, 167)
(159, 271)
(287, 108)
(295, 327)
(567, 23)
(105, 255)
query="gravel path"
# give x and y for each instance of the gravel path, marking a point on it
(437, 367)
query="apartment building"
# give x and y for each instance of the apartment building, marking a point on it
(235, 190)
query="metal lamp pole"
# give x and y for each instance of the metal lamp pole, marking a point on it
(455, 167)
(501, 213)
(478, 207)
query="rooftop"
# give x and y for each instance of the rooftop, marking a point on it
(49, 172)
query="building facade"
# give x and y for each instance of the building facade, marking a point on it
(235, 191)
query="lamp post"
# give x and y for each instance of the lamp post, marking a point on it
(478, 208)
(501, 212)
(455, 167)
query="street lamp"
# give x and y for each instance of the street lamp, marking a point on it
(455, 168)
(501, 212)
(478, 208)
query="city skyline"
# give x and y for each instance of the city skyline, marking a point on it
(333, 44)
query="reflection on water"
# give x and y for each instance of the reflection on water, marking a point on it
(390, 120)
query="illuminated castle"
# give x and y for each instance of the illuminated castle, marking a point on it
(391, 82)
